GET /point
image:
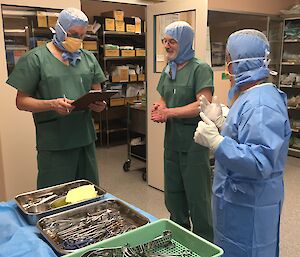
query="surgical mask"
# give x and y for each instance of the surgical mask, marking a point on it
(71, 44)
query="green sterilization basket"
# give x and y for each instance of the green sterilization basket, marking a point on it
(181, 237)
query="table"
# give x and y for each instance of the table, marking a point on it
(19, 239)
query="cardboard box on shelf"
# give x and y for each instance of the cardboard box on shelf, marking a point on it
(138, 25)
(109, 24)
(90, 45)
(106, 23)
(130, 28)
(41, 42)
(123, 74)
(140, 52)
(141, 77)
(132, 77)
(41, 20)
(117, 101)
(52, 21)
(111, 52)
(130, 24)
(118, 15)
(115, 78)
(120, 26)
(128, 53)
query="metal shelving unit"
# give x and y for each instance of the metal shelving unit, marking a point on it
(289, 76)
(22, 30)
(114, 116)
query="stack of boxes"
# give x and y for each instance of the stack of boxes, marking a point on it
(116, 21)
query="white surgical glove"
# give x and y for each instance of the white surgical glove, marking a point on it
(207, 134)
(214, 110)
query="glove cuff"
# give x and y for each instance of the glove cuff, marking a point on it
(216, 142)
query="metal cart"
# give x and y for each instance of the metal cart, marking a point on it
(136, 126)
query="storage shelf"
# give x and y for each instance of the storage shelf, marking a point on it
(295, 130)
(286, 86)
(124, 82)
(114, 58)
(293, 108)
(291, 63)
(294, 152)
(291, 41)
(119, 33)
(88, 36)
(16, 47)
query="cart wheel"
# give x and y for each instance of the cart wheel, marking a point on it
(144, 176)
(126, 165)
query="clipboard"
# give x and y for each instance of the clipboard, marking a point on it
(92, 96)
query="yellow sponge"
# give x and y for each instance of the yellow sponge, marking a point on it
(81, 193)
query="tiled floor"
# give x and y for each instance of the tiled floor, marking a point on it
(130, 187)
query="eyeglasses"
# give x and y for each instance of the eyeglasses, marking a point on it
(75, 35)
(171, 42)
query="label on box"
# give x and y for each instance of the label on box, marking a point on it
(109, 24)
(130, 28)
(120, 26)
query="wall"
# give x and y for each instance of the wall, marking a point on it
(253, 6)
(95, 8)
(269, 7)
(17, 133)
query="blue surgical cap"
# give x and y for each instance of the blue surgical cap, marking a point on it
(183, 33)
(248, 51)
(66, 19)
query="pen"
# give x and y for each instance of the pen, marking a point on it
(65, 99)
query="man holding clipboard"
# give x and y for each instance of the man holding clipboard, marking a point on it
(46, 78)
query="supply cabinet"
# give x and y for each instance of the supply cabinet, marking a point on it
(122, 55)
(290, 77)
(24, 29)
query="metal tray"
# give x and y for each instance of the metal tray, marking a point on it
(130, 216)
(60, 190)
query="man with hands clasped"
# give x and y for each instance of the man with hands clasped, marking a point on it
(187, 175)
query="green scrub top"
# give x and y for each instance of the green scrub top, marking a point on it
(42, 76)
(191, 79)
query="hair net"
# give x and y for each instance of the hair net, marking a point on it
(66, 19)
(183, 33)
(248, 50)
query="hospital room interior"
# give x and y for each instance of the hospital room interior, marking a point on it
(150, 128)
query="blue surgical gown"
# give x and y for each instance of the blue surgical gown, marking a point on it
(248, 185)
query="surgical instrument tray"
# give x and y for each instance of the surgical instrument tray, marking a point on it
(92, 223)
(36, 204)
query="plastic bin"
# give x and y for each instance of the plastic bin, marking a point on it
(183, 239)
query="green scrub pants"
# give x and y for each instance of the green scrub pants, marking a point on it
(188, 190)
(57, 167)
